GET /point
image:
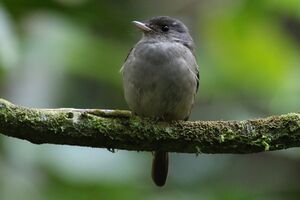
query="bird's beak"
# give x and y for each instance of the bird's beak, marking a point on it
(143, 27)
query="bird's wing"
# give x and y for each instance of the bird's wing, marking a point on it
(121, 70)
(198, 76)
(193, 66)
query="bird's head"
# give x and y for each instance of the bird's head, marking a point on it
(165, 28)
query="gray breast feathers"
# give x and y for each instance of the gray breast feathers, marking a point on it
(160, 80)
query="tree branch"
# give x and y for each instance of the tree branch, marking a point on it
(115, 129)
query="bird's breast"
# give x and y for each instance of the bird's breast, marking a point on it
(158, 81)
(158, 53)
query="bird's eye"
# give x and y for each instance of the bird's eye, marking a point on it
(165, 28)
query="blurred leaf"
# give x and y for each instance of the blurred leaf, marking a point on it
(290, 7)
(249, 53)
(60, 189)
(107, 17)
(100, 58)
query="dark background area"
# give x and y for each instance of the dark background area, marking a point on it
(67, 53)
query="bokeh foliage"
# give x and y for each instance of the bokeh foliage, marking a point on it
(67, 53)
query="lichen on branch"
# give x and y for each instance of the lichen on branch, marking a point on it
(117, 129)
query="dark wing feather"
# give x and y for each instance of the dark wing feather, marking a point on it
(121, 70)
(198, 78)
(128, 54)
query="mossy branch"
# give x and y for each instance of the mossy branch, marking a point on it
(115, 129)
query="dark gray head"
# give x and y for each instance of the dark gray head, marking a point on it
(166, 28)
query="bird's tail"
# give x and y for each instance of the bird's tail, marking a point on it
(160, 167)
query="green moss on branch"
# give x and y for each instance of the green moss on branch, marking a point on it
(119, 130)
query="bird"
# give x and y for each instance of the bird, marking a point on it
(161, 78)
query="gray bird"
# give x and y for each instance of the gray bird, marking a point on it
(160, 78)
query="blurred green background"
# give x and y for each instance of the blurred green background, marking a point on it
(67, 53)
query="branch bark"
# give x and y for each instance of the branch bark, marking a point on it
(116, 129)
